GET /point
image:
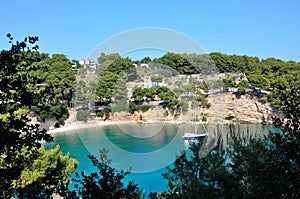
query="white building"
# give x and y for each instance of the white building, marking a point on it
(88, 63)
(144, 65)
(147, 82)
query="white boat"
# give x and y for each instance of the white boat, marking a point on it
(191, 136)
(194, 135)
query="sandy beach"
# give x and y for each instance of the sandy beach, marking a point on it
(94, 123)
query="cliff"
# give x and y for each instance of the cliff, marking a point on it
(225, 109)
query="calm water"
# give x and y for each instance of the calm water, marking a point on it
(147, 149)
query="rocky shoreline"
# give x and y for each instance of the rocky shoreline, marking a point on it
(225, 109)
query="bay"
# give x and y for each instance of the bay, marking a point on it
(146, 149)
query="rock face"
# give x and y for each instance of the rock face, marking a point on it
(227, 108)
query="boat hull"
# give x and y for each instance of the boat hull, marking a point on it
(192, 136)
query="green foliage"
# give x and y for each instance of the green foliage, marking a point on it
(246, 166)
(176, 62)
(157, 78)
(146, 60)
(120, 70)
(106, 85)
(139, 93)
(258, 80)
(268, 73)
(202, 101)
(45, 175)
(100, 113)
(234, 63)
(105, 60)
(184, 178)
(165, 93)
(243, 85)
(263, 100)
(60, 79)
(204, 119)
(229, 82)
(145, 108)
(107, 183)
(83, 115)
(25, 169)
(183, 107)
(132, 107)
(49, 110)
(120, 106)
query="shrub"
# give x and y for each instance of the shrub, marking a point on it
(83, 115)
(100, 113)
(132, 107)
(145, 108)
(263, 100)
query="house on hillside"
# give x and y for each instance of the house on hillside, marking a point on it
(144, 65)
(88, 63)
(74, 67)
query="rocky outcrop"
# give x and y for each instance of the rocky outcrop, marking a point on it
(227, 108)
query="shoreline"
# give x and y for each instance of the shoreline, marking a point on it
(94, 123)
(89, 124)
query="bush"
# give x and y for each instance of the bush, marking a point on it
(145, 108)
(83, 115)
(204, 119)
(50, 110)
(100, 113)
(263, 100)
(132, 107)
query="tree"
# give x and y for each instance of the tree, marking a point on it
(259, 81)
(157, 78)
(107, 183)
(60, 79)
(83, 115)
(246, 166)
(20, 140)
(104, 60)
(106, 85)
(176, 62)
(122, 69)
(196, 177)
(146, 60)
(46, 175)
(165, 93)
(243, 85)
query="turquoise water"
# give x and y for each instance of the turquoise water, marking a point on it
(147, 149)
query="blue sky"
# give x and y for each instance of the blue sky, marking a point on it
(256, 28)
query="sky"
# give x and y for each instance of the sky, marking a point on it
(261, 28)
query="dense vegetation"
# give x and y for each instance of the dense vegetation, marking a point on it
(244, 71)
(38, 81)
(26, 169)
(244, 167)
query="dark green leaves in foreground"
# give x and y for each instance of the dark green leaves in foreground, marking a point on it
(26, 169)
(106, 183)
(246, 166)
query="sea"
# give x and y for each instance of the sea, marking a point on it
(144, 149)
